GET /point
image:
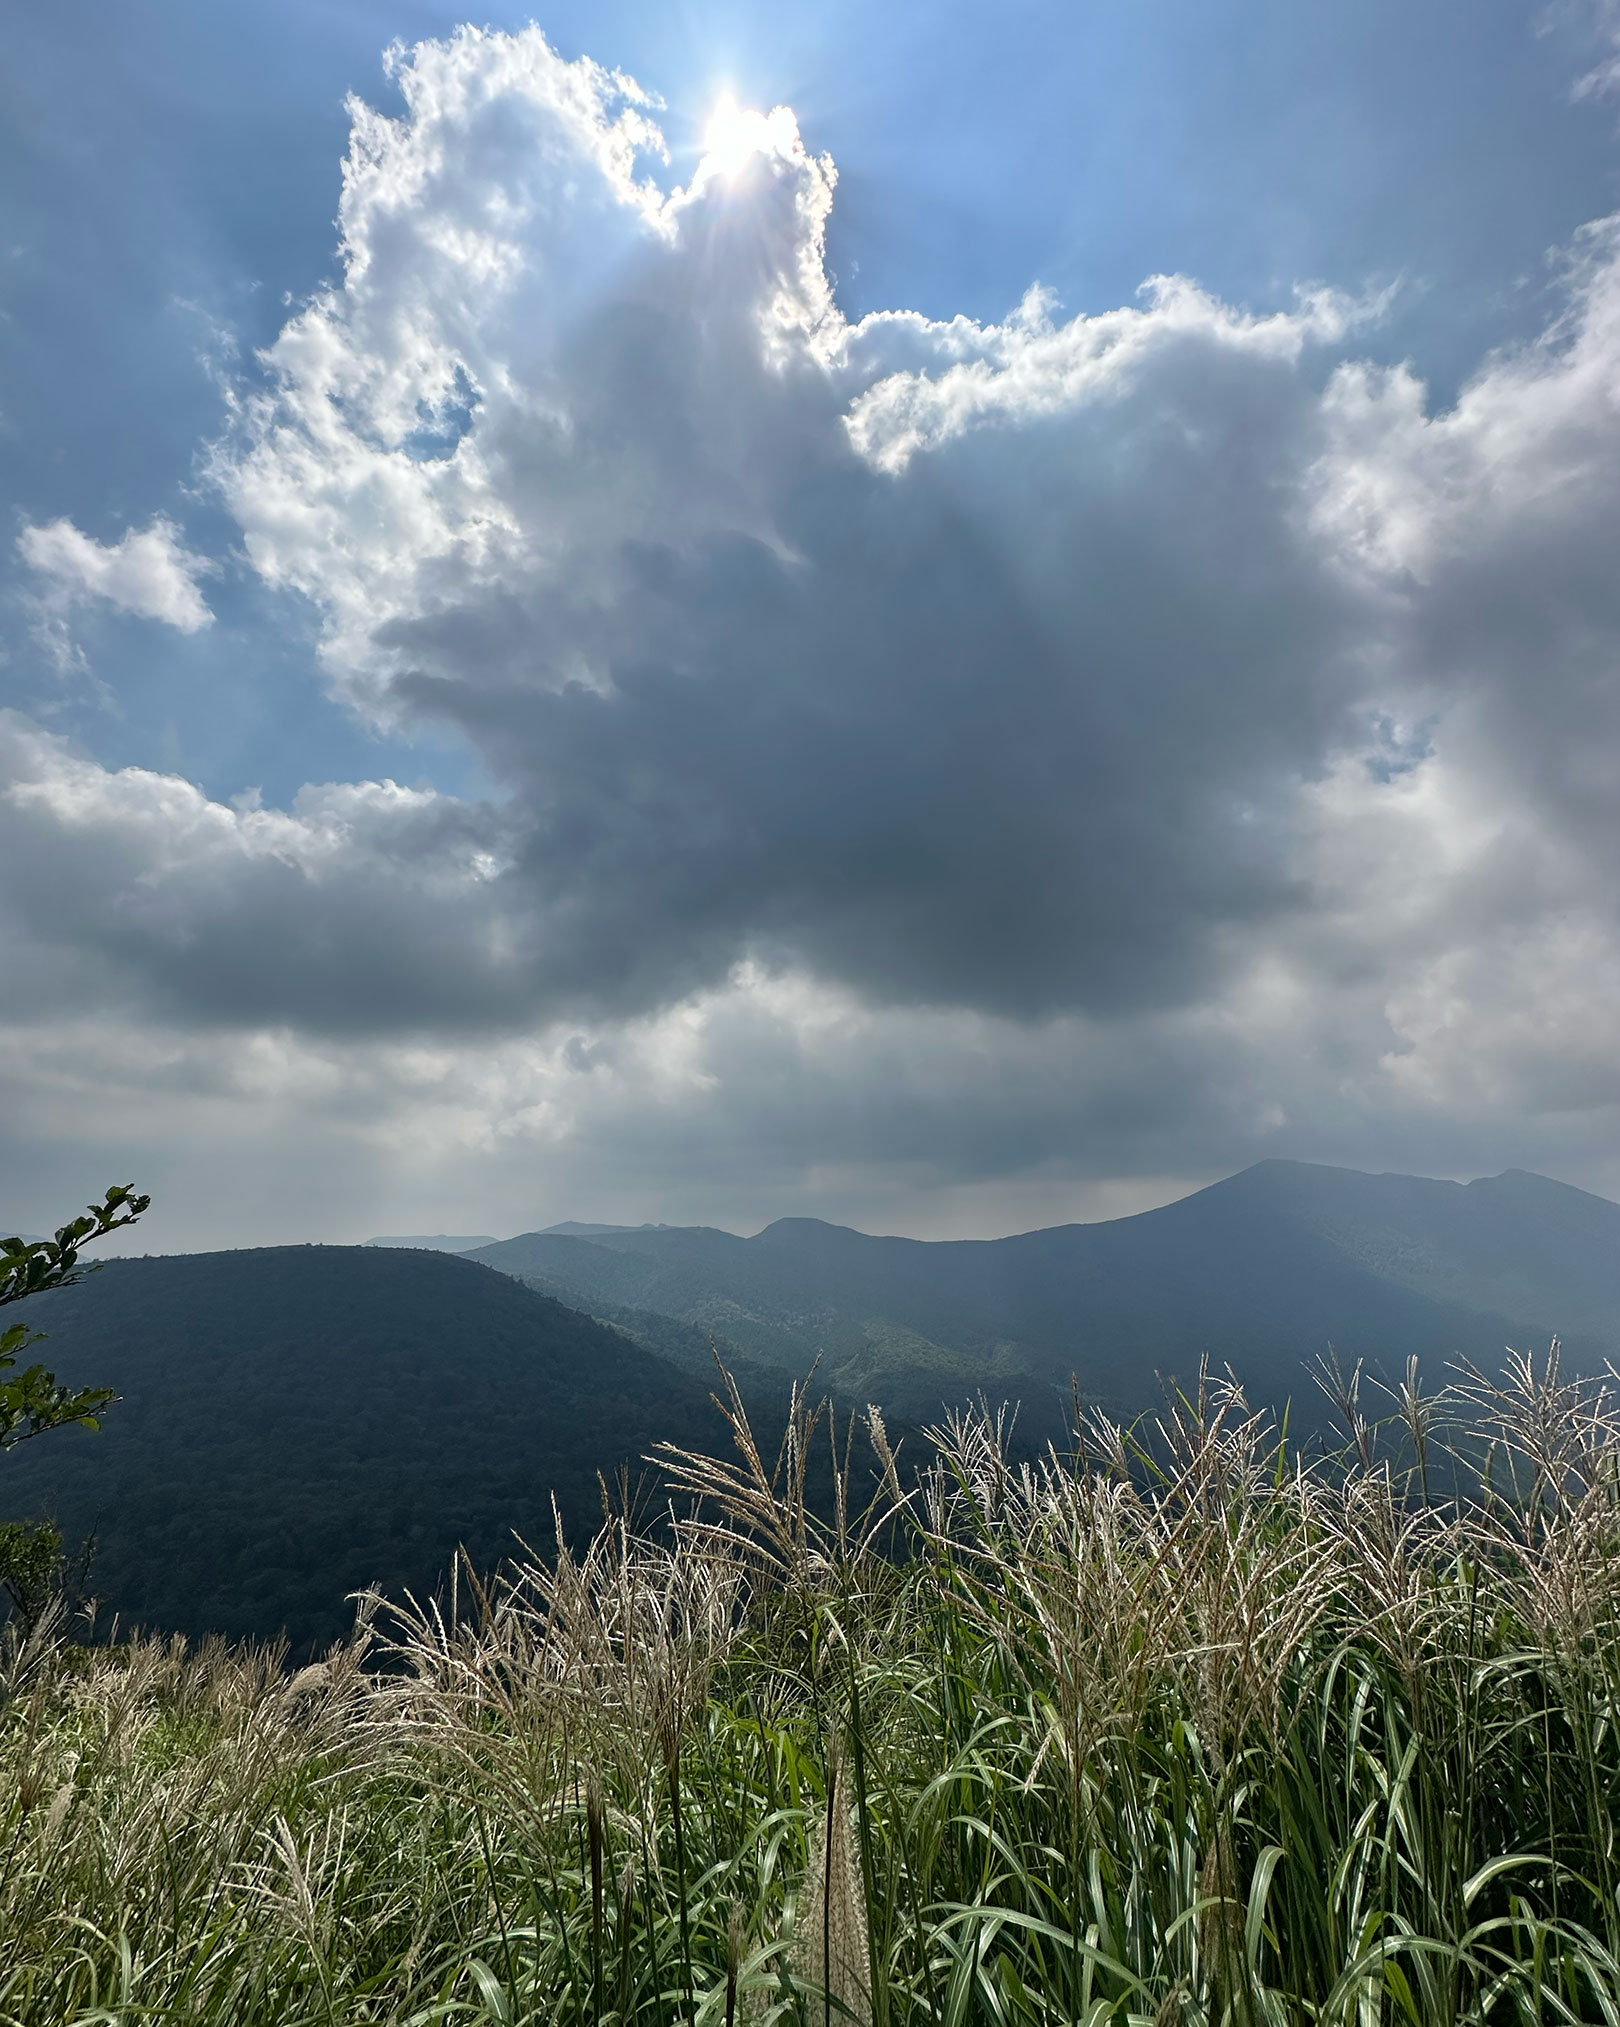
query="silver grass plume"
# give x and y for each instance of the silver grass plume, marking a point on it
(830, 1951)
(734, 1957)
(1220, 1919)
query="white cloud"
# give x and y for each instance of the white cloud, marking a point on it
(1032, 367)
(147, 573)
(426, 428)
(1603, 78)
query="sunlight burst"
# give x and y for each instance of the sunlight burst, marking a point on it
(734, 136)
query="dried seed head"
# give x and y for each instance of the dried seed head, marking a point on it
(885, 1453)
(61, 1802)
(595, 1828)
(830, 1947)
(1220, 1925)
(734, 1951)
(308, 1682)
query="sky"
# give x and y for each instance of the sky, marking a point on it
(941, 616)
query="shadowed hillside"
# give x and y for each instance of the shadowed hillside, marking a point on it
(301, 1421)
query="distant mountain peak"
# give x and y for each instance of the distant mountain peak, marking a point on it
(572, 1229)
(1277, 1166)
(1520, 1178)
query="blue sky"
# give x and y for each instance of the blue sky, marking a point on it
(837, 1006)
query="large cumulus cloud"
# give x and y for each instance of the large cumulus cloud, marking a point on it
(1156, 733)
(961, 665)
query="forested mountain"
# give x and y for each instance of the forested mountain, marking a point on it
(1262, 1270)
(298, 1422)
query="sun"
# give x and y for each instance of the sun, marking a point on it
(734, 136)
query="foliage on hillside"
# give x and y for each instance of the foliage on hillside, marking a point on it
(1171, 1731)
(301, 1421)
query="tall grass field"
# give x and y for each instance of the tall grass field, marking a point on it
(1176, 1725)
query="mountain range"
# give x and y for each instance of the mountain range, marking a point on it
(1262, 1271)
(297, 1422)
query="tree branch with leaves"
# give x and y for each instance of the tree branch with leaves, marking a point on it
(31, 1401)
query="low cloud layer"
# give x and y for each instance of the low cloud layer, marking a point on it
(923, 755)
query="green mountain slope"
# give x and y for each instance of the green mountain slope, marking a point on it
(301, 1421)
(1261, 1270)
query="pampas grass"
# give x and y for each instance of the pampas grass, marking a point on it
(1179, 1725)
(832, 1938)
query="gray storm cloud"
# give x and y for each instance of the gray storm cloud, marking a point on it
(1164, 685)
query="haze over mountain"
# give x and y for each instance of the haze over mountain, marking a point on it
(1261, 1270)
(570, 1228)
(435, 1242)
